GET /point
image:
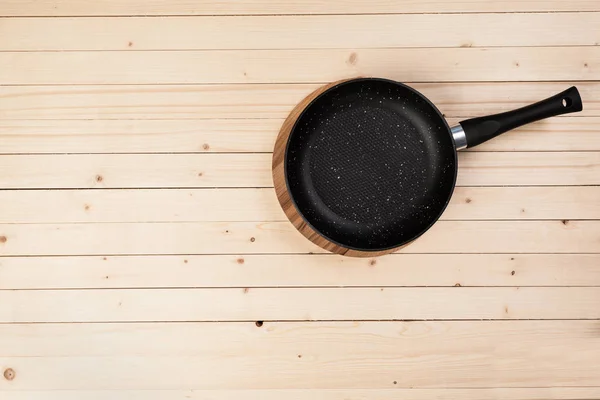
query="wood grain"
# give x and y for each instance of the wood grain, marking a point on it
(190, 205)
(243, 136)
(132, 102)
(152, 136)
(533, 168)
(273, 372)
(296, 355)
(285, 304)
(301, 66)
(90, 231)
(555, 134)
(277, 270)
(300, 32)
(281, 237)
(240, 7)
(556, 393)
(253, 170)
(141, 170)
(394, 340)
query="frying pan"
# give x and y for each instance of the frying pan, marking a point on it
(365, 166)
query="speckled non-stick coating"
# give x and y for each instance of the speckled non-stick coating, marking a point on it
(370, 164)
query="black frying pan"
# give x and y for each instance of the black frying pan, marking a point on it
(370, 164)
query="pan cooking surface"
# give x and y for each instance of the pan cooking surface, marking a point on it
(370, 164)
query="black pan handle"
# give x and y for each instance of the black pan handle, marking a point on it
(482, 129)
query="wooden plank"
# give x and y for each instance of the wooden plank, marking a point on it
(273, 372)
(144, 170)
(281, 237)
(557, 393)
(190, 205)
(479, 339)
(481, 169)
(249, 135)
(298, 355)
(457, 99)
(524, 203)
(300, 32)
(159, 136)
(159, 101)
(240, 7)
(299, 270)
(301, 66)
(290, 304)
(556, 134)
(254, 170)
(152, 205)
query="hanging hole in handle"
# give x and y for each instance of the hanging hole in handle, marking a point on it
(567, 102)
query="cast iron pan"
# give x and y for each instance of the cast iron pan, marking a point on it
(365, 166)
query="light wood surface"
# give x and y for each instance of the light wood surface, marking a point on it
(385, 339)
(252, 170)
(258, 354)
(234, 204)
(242, 136)
(536, 393)
(508, 236)
(301, 270)
(236, 7)
(125, 274)
(134, 102)
(571, 63)
(311, 304)
(279, 32)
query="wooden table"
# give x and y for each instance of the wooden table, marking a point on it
(143, 252)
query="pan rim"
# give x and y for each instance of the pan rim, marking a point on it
(293, 200)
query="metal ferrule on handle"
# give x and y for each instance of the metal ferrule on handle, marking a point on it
(459, 136)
